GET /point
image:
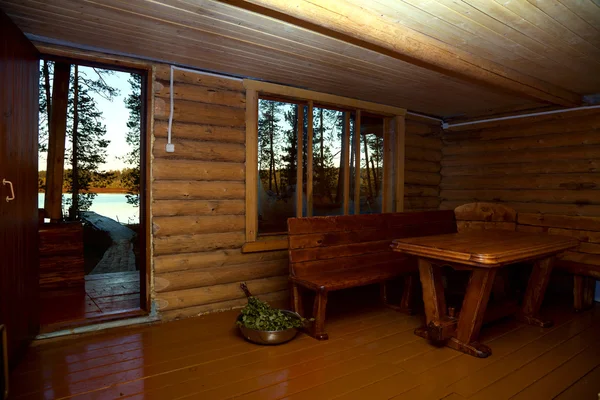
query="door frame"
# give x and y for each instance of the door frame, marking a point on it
(146, 70)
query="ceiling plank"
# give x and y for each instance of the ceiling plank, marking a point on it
(360, 26)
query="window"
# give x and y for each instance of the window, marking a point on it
(310, 154)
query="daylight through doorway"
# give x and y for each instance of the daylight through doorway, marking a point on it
(90, 175)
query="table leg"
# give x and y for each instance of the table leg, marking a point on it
(472, 313)
(534, 295)
(434, 300)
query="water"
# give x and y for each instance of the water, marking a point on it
(111, 205)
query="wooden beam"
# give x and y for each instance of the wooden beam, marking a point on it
(56, 142)
(299, 167)
(358, 25)
(309, 161)
(251, 165)
(400, 136)
(357, 163)
(322, 99)
(346, 162)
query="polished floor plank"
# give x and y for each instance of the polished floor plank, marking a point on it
(500, 368)
(510, 385)
(505, 337)
(563, 376)
(206, 375)
(586, 387)
(372, 354)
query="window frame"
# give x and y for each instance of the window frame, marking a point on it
(393, 157)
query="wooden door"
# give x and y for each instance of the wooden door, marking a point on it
(19, 286)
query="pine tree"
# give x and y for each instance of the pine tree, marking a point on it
(86, 131)
(133, 102)
(269, 132)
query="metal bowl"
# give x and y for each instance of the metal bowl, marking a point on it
(269, 337)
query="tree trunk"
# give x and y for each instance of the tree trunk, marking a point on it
(375, 180)
(323, 181)
(343, 164)
(367, 166)
(46, 73)
(293, 149)
(75, 160)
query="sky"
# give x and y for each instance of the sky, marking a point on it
(115, 118)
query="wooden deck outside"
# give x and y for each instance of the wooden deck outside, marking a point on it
(372, 354)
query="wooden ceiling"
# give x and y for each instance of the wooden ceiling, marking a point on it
(446, 58)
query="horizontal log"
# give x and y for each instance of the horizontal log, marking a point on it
(464, 226)
(539, 207)
(422, 166)
(200, 150)
(485, 212)
(427, 191)
(212, 259)
(422, 178)
(589, 259)
(560, 221)
(523, 156)
(187, 225)
(198, 190)
(213, 294)
(164, 73)
(583, 236)
(182, 130)
(561, 139)
(547, 167)
(423, 142)
(278, 299)
(578, 268)
(525, 181)
(198, 243)
(195, 170)
(540, 125)
(174, 281)
(202, 94)
(589, 248)
(422, 129)
(419, 154)
(165, 208)
(428, 203)
(200, 113)
(534, 196)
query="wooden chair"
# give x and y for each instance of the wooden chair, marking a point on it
(334, 253)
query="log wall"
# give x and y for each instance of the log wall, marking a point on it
(422, 166)
(198, 197)
(198, 201)
(547, 169)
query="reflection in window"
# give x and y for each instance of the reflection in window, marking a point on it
(371, 165)
(277, 164)
(337, 157)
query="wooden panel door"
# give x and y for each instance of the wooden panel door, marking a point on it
(19, 286)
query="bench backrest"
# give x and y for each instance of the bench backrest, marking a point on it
(485, 216)
(322, 244)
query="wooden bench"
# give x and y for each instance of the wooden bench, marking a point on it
(333, 253)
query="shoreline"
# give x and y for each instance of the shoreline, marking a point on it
(99, 191)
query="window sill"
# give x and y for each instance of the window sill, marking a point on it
(268, 243)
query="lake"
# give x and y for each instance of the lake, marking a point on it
(112, 205)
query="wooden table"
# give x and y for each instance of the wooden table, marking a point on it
(483, 253)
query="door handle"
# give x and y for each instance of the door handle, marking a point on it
(12, 190)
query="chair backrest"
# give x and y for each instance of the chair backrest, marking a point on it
(485, 216)
(321, 244)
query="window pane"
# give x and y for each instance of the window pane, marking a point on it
(277, 165)
(371, 165)
(327, 162)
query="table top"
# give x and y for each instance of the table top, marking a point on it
(485, 248)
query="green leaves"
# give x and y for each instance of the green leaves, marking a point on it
(259, 315)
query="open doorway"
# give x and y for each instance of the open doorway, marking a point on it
(91, 198)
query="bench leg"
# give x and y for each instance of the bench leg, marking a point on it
(319, 308)
(584, 289)
(296, 298)
(407, 304)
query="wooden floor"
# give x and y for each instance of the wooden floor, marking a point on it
(372, 354)
(105, 295)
